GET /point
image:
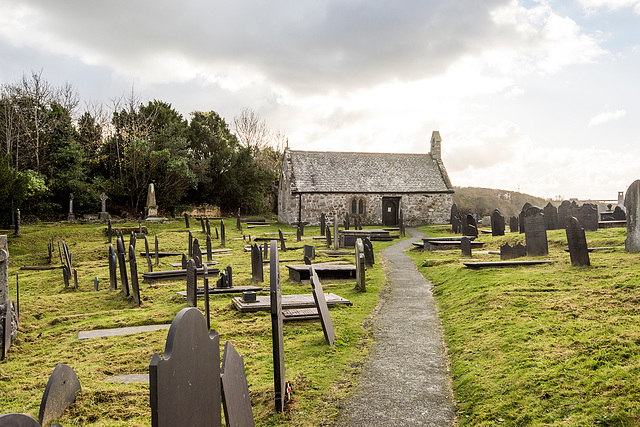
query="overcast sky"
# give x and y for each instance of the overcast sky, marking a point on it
(536, 96)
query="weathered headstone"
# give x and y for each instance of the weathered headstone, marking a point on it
(507, 252)
(235, 390)
(238, 222)
(347, 221)
(550, 217)
(281, 237)
(197, 253)
(157, 251)
(336, 239)
(18, 420)
(109, 230)
(205, 283)
(328, 236)
(60, 392)
(152, 207)
(192, 284)
(497, 223)
(277, 338)
(190, 245)
(578, 250)
(369, 257)
(469, 226)
(184, 384)
(133, 269)
(113, 269)
(5, 302)
(204, 230)
(208, 226)
(223, 238)
(323, 223)
(465, 245)
(70, 216)
(618, 214)
(361, 279)
(453, 214)
(184, 262)
(209, 250)
(526, 206)
(186, 220)
(587, 215)
(323, 309)
(257, 272)
(123, 267)
(632, 206)
(564, 212)
(513, 224)
(309, 251)
(535, 232)
(147, 254)
(96, 284)
(456, 225)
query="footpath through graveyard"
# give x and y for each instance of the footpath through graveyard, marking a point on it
(405, 380)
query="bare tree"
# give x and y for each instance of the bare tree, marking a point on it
(251, 131)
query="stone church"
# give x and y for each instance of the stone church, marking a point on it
(375, 186)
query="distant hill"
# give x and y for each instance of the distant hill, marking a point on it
(484, 200)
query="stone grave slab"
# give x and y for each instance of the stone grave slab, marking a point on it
(216, 290)
(173, 275)
(300, 314)
(323, 309)
(499, 264)
(275, 306)
(60, 392)
(263, 302)
(129, 378)
(235, 390)
(102, 333)
(184, 384)
(577, 241)
(301, 272)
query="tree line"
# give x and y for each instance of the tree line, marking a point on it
(48, 149)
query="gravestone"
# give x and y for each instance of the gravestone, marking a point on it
(513, 224)
(587, 215)
(184, 384)
(209, 250)
(361, 279)
(192, 284)
(197, 253)
(550, 217)
(205, 285)
(277, 338)
(469, 226)
(535, 232)
(336, 238)
(238, 222)
(465, 245)
(456, 225)
(184, 261)
(309, 251)
(190, 247)
(632, 206)
(96, 284)
(208, 226)
(223, 238)
(113, 268)
(298, 234)
(5, 302)
(157, 251)
(70, 216)
(323, 223)
(109, 231)
(281, 238)
(521, 216)
(564, 212)
(235, 390)
(133, 268)
(328, 236)
(578, 250)
(507, 252)
(265, 251)
(19, 420)
(618, 214)
(186, 220)
(369, 257)
(18, 231)
(123, 268)
(147, 254)
(346, 221)
(323, 309)
(60, 392)
(204, 230)
(152, 207)
(454, 213)
(257, 272)
(103, 215)
(497, 224)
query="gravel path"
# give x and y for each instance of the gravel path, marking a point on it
(405, 380)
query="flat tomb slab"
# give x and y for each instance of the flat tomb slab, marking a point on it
(452, 244)
(101, 333)
(498, 264)
(153, 276)
(603, 248)
(263, 303)
(452, 238)
(297, 273)
(233, 289)
(300, 314)
(129, 378)
(612, 224)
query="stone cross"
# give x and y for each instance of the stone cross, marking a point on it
(103, 213)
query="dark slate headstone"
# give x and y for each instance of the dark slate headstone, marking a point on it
(309, 251)
(361, 279)
(323, 223)
(257, 272)
(197, 253)
(235, 390)
(298, 234)
(328, 236)
(456, 225)
(347, 220)
(17, 420)
(204, 230)
(277, 338)
(205, 284)
(123, 267)
(17, 230)
(497, 223)
(618, 214)
(521, 216)
(577, 241)
(587, 215)
(190, 248)
(229, 271)
(369, 257)
(184, 384)
(513, 224)
(209, 250)
(550, 217)
(507, 252)
(157, 251)
(281, 236)
(465, 245)
(469, 226)
(535, 232)
(265, 251)
(323, 309)
(632, 205)
(223, 237)
(208, 224)
(238, 223)
(61, 391)
(147, 254)
(186, 220)
(133, 268)
(564, 212)
(454, 213)
(113, 268)
(192, 284)
(109, 232)
(184, 261)
(307, 260)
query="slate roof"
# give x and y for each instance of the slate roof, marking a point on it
(340, 172)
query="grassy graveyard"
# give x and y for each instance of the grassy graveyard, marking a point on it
(51, 318)
(542, 345)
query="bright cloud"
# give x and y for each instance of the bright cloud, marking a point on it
(591, 5)
(606, 117)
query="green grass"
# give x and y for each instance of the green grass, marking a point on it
(545, 345)
(51, 317)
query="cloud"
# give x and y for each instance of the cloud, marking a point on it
(591, 5)
(606, 116)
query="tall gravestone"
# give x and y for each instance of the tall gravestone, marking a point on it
(587, 215)
(184, 384)
(369, 257)
(257, 272)
(347, 221)
(5, 302)
(123, 267)
(470, 226)
(133, 269)
(323, 223)
(578, 250)
(186, 220)
(321, 305)
(456, 224)
(61, 391)
(564, 212)
(223, 237)
(336, 238)
(209, 250)
(521, 216)
(235, 390)
(113, 268)
(328, 236)
(70, 216)
(361, 279)
(550, 217)
(197, 253)
(279, 381)
(632, 206)
(497, 223)
(152, 207)
(513, 224)
(454, 213)
(103, 215)
(18, 230)
(535, 232)
(192, 284)
(147, 254)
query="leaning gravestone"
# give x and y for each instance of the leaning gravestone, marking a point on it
(147, 254)
(587, 215)
(550, 217)
(309, 251)
(535, 232)
(513, 224)
(133, 269)
(61, 391)
(632, 205)
(283, 247)
(497, 223)
(223, 238)
(257, 272)
(369, 257)
(507, 252)
(192, 284)
(328, 236)
(123, 268)
(323, 309)
(184, 384)
(277, 338)
(197, 253)
(577, 241)
(235, 390)
(465, 245)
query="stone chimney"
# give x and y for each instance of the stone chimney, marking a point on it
(435, 145)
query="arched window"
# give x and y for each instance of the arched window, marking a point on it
(354, 206)
(361, 207)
